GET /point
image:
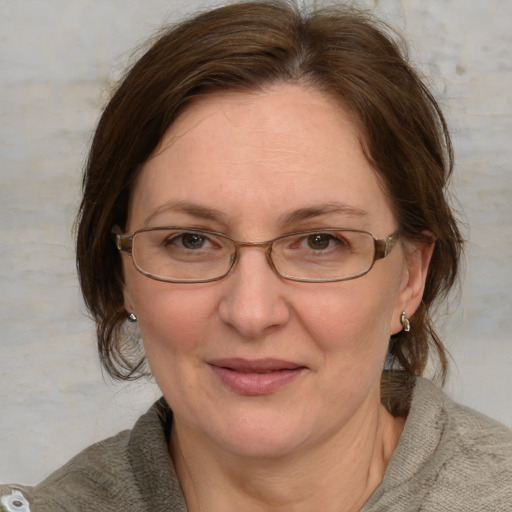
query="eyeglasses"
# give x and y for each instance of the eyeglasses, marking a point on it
(181, 255)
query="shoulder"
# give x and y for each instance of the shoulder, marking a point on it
(94, 476)
(461, 428)
(459, 459)
(449, 457)
(474, 456)
(105, 476)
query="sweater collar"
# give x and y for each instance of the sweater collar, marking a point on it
(152, 463)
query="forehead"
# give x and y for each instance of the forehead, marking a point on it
(254, 155)
(276, 119)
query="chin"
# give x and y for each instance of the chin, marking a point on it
(254, 445)
(270, 435)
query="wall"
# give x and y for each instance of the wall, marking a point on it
(57, 61)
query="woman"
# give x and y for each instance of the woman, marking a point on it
(265, 200)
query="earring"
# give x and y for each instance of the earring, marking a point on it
(131, 318)
(404, 320)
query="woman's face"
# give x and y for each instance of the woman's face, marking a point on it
(255, 364)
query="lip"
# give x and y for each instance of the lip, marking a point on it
(255, 377)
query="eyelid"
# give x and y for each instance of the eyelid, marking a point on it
(323, 227)
(208, 232)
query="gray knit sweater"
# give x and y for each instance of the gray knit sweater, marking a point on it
(449, 459)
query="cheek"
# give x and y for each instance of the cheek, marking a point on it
(171, 319)
(174, 320)
(174, 326)
(352, 318)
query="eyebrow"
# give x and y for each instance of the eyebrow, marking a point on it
(294, 216)
(189, 208)
(313, 211)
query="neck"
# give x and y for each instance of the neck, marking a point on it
(336, 474)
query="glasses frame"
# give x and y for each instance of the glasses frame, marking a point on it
(382, 247)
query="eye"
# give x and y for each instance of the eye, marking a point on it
(323, 241)
(319, 241)
(192, 241)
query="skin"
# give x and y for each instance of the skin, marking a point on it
(246, 162)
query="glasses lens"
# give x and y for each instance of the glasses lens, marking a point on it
(182, 255)
(324, 255)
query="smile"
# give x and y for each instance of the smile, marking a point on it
(258, 377)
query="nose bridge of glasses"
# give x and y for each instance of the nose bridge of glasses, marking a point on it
(266, 246)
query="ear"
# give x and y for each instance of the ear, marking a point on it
(116, 230)
(128, 295)
(127, 302)
(418, 259)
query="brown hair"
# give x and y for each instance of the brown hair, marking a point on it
(250, 45)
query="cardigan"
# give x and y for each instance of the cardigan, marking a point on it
(449, 459)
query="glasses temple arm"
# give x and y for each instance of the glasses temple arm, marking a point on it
(123, 243)
(384, 247)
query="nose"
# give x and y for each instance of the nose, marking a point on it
(254, 303)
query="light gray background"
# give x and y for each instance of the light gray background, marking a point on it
(58, 59)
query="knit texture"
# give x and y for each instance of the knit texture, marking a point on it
(449, 459)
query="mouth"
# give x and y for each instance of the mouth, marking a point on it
(255, 377)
